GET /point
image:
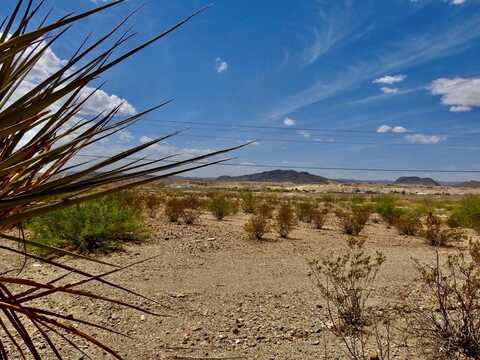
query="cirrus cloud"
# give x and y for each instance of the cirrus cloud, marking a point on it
(390, 79)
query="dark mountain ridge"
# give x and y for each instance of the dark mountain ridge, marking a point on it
(290, 176)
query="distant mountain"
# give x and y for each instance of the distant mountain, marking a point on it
(415, 180)
(470, 184)
(279, 176)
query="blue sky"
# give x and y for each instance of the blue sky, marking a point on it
(327, 83)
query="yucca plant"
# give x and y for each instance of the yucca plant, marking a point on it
(42, 129)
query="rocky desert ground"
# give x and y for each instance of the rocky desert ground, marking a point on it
(220, 295)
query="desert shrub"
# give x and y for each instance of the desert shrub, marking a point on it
(257, 226)
(474, 249)
(304, 210)
(345, 282)
(221, 206)
(174, 209)
(285, 220)
(191, 201)
(190, 216)
(319, 216)
(437, 235)
(248, 202)
(354, 220)
(265, 209)
(386, 206)
(96, 225)
(409, 222)
(152, 204)
(328, 199)
(467, 213)
(447, 324)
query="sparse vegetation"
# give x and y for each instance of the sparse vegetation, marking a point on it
(387, 207)
(409, 222)
(174, 209)
(304, 210)
(257, 226)
(248, 202)
(285, 220)
(437, 234)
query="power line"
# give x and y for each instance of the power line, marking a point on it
(294, 128)
(309, 167)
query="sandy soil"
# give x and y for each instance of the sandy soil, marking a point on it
(224, 296)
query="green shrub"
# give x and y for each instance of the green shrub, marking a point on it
(386, 206)
(96, 225)
(221, 206)
(285, 220)
(437, 234)
(354, 221)
(467, 214)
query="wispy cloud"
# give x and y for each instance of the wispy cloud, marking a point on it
(306, 134)
(221, 65)
(339, 22)
(459, 94)
(389, 80)
(389, 90)
(424, 139)
(410, 51)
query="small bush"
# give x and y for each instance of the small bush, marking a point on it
(304, 211)
(190, 216)
(437, 234)
(96, 225)
(319, 216)
(346, 282)
(467, 214)
(174, 209)
(386, 206)
(221, 206)
(409, 222)
(354, 221)
(285, 220)
(248, 202)
(152, 204)
(257, 226)
(447, 324)
(265, 209)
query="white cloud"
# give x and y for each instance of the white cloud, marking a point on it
(459, 94)
(389, 90)
(394, 129)
(125, 136)
(220, 65)
(289, 122)
(424, 139)
(388, 79)
(458, 2)
(98, 102)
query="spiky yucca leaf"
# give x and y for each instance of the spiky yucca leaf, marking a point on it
(41, 131)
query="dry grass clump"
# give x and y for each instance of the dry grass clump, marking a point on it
(319, 217)
(190, 216)
(186, 208)
(285, 220)
(174, 208)
(346, 283)
(257, 226)
(447, 325)
(354, 221)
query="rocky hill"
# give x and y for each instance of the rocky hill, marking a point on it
(290, 176)
(415, 180)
